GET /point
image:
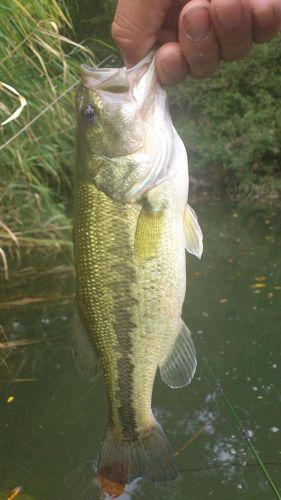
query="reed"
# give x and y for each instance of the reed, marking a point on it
(40, 61)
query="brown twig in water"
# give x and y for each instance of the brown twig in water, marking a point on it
(18, 380)
(37, 300)
(195, 436)
(11, 344)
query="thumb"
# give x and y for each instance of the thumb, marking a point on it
(135, 25)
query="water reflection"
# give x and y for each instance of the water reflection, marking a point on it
(54, 425)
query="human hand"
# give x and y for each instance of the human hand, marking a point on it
(195, 35)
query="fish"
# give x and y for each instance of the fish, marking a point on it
(132, 225)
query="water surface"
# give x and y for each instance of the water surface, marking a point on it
(52, 429)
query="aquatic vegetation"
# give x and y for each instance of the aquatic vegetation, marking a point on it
(11, 365)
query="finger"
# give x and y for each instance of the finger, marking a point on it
(171, 65)
(266, 15)
(232, 22)
(198, 40)
(166, 35)
(172, 18)
(135, 26)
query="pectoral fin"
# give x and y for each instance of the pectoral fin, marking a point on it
(179, 366)
(193, 232)
(148, 234)
(85, 357)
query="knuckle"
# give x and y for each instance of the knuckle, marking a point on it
(117, 32)
(121, 36)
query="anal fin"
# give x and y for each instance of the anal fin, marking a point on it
(179, 366)
(86, 359)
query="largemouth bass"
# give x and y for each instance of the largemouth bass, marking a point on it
(132, 226)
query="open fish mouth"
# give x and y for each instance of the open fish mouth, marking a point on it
(129, 96)
(119, 80)
(108, 79)
(132, 109)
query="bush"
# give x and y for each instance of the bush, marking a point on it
(231, 124)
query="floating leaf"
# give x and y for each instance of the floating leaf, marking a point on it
(14, 493)
(10, 399)
(258, 285)
(260, 278)
(270, 295)
(223, 301)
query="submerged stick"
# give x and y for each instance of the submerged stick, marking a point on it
(195, 436)
(36, 300)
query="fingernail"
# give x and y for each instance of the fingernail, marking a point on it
(197, 23)
(229, 13)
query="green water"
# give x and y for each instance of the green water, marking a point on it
(51, 431)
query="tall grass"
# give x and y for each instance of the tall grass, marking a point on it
(39, 60)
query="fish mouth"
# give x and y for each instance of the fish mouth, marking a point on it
(108, 79)
(115, 80)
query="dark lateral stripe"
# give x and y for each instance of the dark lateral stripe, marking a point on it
(123, 274)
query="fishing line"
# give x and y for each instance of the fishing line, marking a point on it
(111, 57)
(227, 464)
(232, 411)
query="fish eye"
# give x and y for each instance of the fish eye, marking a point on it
(89, 113)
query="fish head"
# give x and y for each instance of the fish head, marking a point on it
(122, 113)
(112, 107)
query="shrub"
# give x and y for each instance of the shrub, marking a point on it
(231, 122)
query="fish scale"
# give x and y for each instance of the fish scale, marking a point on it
(100, 278)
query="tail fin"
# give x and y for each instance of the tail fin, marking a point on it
(150, 458)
